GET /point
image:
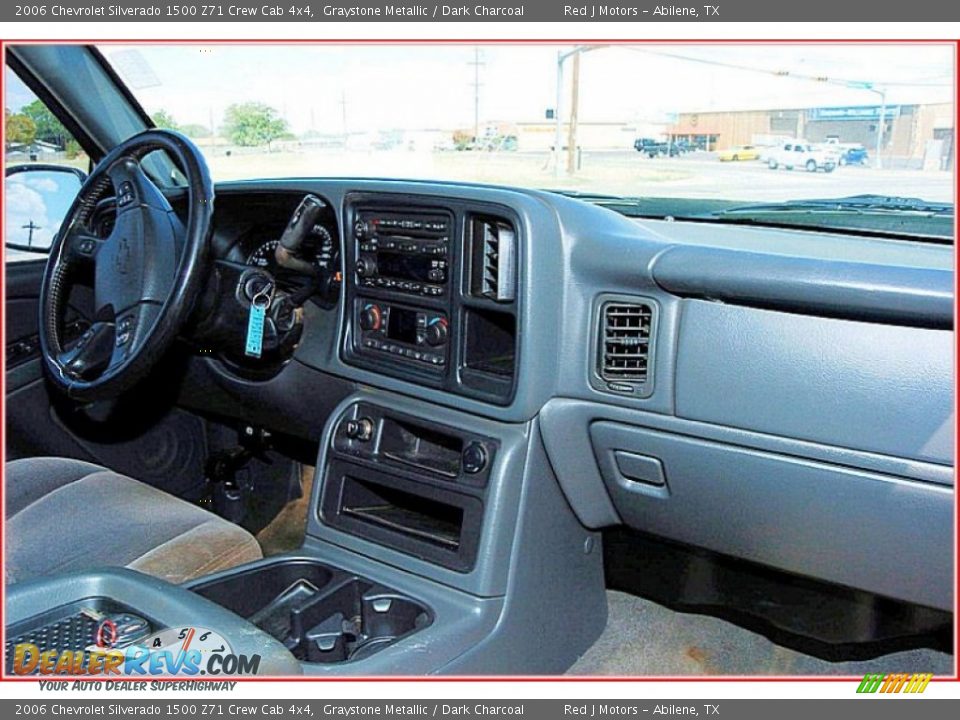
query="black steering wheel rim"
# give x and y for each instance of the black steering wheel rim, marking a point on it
(147, 274)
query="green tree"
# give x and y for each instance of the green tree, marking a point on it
(73, 149)
(253, 123)
(49, 128)
(164, 120)
(20, 129)
(195, 130)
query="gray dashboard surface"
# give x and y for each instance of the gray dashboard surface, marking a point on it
(839, 288)
(868, 386)
(573, 252)
(819, 346)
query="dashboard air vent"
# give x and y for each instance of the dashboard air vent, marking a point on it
(494, 260)
(625, 333)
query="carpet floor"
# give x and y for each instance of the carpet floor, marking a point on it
(286, 531)
(643, 638)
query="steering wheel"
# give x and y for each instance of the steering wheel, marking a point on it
(146, 275)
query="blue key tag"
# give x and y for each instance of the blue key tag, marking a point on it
(258, 313)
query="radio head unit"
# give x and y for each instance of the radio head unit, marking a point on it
(405, 253)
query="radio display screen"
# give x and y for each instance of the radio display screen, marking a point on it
(404, 267)
(402, 325)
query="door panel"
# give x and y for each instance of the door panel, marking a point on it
(22, 350)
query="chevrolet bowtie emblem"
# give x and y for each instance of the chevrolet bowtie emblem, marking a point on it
(122, 259)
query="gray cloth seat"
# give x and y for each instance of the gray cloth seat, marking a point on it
(64, 515)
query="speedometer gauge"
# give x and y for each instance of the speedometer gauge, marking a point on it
(326, 255)
(319, 250)
(265, 255)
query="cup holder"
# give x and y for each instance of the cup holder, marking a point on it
(320, 614)
(351, 622)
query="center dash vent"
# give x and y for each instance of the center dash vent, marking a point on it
(625, 336)
(494, 255)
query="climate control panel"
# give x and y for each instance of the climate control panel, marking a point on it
(405, 332)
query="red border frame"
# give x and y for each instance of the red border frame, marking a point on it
(471, 42)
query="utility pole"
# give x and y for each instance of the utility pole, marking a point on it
(882, 116)
(557, 134)
(30, 227)
(477, 63)
(557, 118)
(574, 109)
(881, 122)
(343, 112)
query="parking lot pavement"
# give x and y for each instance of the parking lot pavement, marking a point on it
(619, 172)
(707, 177)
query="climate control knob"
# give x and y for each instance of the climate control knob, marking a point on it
(371, 317)
(366, 267)
(437, 332)
(362, 230)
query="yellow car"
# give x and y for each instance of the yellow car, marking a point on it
(740, 152)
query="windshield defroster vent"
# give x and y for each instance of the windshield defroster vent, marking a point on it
(626, 333)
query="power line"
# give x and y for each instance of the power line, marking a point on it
(477, 62)
(844, 82)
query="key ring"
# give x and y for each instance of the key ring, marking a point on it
(263, 297)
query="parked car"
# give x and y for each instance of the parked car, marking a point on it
(653, 148)
(856, 155)
(739, 152)
(803, 155)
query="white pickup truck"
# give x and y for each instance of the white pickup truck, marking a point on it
(803, 155)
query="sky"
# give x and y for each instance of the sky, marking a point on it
(40, 199)
(334, 88)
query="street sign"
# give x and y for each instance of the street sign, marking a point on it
(861, 112)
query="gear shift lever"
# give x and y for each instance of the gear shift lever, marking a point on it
(301, 222)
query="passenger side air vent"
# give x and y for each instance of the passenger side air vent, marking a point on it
(625, 336)
(494, 256)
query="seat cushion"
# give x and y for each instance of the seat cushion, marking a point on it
(64, 515)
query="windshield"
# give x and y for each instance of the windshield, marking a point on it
(747, 123)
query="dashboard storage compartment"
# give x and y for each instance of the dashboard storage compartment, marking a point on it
(426, 520)
(490, 342)
(489, 351)
(320, 614)
(807, 516)
(420, 519)
(421, 447)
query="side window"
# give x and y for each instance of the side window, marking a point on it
(44, 168)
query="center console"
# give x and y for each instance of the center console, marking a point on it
(431, 293)
(408, 483)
